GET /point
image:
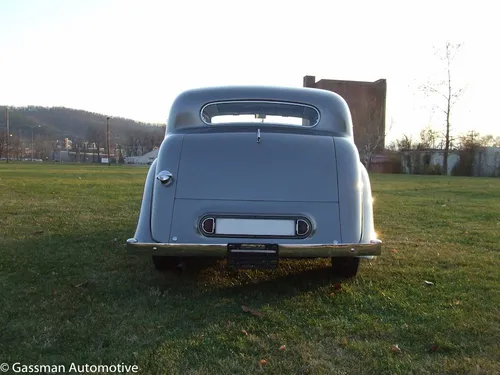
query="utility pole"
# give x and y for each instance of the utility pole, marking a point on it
(19, 144)
(8, 131)
(32, 142)
(107, 139)
(32, 138)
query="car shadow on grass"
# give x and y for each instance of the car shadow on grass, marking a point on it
(81, 297)
(290, 277)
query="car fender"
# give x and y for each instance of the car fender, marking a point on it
(143, 230)
(368, 228)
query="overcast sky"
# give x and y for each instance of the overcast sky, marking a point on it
(131, 58)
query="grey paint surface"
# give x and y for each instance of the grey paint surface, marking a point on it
(163, 196)
(313, 172)
(282, 167)
(335, 115)
(324, 217)
(350, 193)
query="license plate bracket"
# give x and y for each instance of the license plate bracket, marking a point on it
(252, 256)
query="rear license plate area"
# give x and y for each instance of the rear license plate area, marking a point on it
(252, 256)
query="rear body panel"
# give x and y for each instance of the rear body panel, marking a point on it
(233, 174)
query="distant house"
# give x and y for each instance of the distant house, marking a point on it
(143, 159)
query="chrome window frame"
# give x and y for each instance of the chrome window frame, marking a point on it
(267, 102)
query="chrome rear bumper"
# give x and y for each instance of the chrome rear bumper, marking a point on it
(285, 250)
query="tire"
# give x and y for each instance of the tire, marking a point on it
(163, 263)
(345, 266)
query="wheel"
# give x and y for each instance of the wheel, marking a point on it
(345, 266)
(163, 263)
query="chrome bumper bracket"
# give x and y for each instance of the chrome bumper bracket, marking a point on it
(252, 256)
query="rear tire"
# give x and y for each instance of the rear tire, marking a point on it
(163, 263)
(345, 266)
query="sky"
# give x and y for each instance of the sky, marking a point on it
(132, 58)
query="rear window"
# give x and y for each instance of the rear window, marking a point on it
(281, 113)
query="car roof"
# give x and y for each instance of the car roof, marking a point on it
(185, 112)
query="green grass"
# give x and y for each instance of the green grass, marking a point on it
(71, 293)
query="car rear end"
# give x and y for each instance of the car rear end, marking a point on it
(254, 193)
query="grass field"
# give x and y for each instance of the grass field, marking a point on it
(70, 293)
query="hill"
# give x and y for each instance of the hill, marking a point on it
(60, 122)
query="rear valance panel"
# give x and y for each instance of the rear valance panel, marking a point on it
(188, 213)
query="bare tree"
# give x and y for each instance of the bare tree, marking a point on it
(446, 92)
(429, 138)
(489, 140)
(402, 144)
(372, 143)
(43, 147)
(16, 148)
(371, 136)
(473, 140)
(132, 146)
(96, 135)
(76, 149)
(496, 143)
(146, 142)
(84, 146)
(470, 141)
(3, 142)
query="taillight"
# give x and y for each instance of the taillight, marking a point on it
(208, 225)
(302, 227)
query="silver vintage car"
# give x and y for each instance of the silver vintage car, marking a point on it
(256, 174)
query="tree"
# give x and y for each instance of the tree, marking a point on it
(84, 147)
(469, 141)
(468, 145)
(96, 135)
(402, 144)
(132, 146)
(473, 140)
(16, 147)
(372, 137)
(3, 142)
(446, 92)
(119, 156)
(490, 141)
(429, 138)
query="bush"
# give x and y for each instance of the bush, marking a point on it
(465, 165)
(433, 169)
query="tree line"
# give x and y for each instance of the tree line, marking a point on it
(431, 139)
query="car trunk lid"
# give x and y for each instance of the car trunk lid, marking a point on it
(281, 167)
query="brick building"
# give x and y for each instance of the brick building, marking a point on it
(366, 101)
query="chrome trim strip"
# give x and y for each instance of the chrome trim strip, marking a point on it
(254, 251)
(285, 250)
(297, 104)
(293, 217)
